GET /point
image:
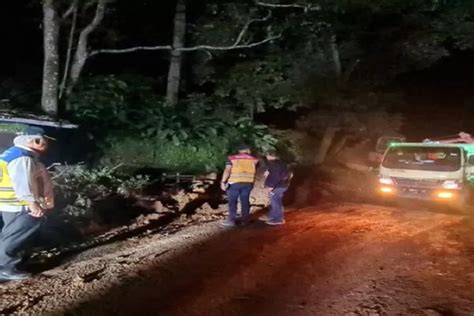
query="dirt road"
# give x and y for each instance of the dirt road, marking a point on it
(333, 259)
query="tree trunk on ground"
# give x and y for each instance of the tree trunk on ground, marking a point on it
(49, 97)
(338, 146)
(326, 142)
(176, 61)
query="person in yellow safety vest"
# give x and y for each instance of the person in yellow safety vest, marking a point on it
(25, 195)
(238, 179)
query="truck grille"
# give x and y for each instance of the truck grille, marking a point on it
(428, 184)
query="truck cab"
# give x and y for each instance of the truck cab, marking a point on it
(428, 171)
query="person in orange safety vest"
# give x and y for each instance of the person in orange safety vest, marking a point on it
(238, 180)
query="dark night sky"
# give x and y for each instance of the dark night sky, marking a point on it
(442, 94)
(148, 24)
(21, 34)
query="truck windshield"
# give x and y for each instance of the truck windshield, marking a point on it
(423, 158)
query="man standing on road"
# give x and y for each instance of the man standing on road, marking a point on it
(277, 181)
(238, 179)
(25, 195)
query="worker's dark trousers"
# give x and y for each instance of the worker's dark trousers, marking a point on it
(18, 232)
(235, 192)
(276, 204)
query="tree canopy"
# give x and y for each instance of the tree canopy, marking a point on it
(223, 62)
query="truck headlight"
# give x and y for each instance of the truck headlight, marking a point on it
(386, 181)
(451, 184)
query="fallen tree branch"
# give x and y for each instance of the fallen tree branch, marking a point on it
(236, 45)
(286, 6)
(185, 49)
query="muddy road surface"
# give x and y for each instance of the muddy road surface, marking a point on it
(331, 259)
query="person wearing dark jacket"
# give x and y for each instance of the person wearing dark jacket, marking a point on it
(277, 181)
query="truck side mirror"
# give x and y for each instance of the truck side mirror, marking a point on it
(470, 160)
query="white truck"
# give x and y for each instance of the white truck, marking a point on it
(441, 170)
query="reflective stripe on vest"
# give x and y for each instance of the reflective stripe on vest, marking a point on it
(243, 168)
(7, 194)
